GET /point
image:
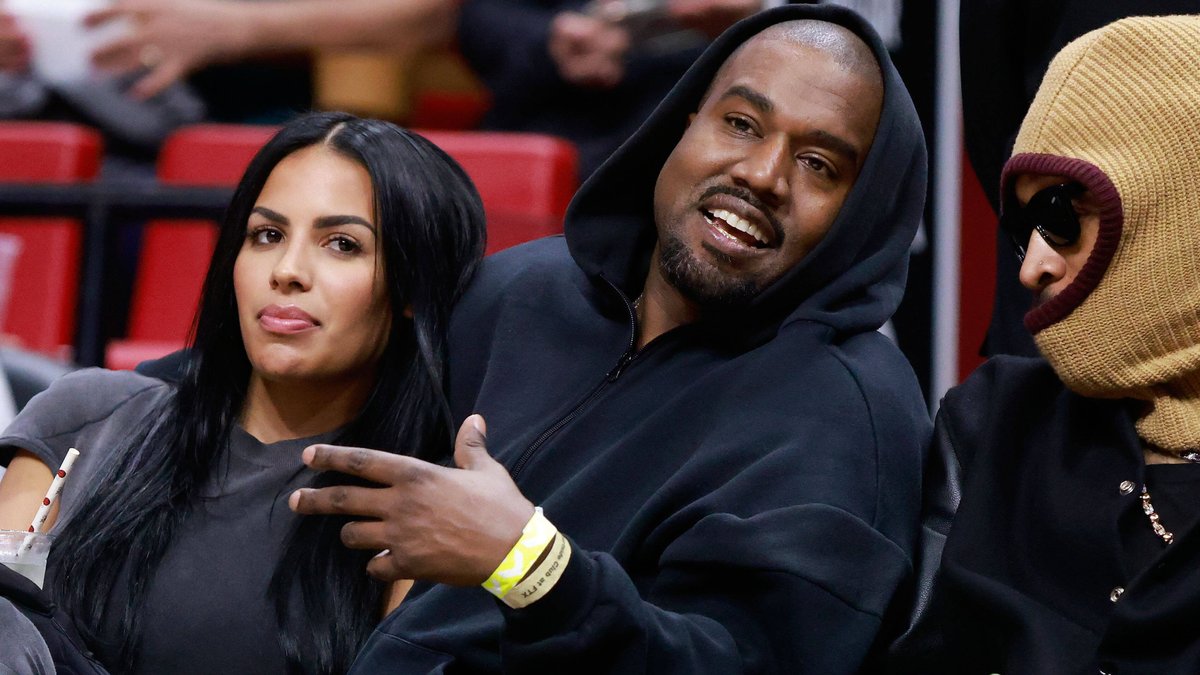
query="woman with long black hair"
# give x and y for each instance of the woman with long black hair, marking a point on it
(323, 318)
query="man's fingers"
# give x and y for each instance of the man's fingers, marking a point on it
(365, 535)
(386, 567)
(338, 500)
(470, 446)
(374, 465)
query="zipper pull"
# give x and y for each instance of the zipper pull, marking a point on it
(624, 361)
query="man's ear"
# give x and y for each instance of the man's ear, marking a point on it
(408, 313)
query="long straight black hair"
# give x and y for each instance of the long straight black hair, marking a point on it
(431, 227)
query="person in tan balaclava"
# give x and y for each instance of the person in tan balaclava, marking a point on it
(1076, 546)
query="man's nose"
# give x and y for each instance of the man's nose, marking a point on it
(764, 169)
(1043, 265)
(292, 269)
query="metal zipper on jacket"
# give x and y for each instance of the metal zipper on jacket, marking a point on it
(626, 358)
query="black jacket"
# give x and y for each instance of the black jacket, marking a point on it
(1037, 551)
(742, 493)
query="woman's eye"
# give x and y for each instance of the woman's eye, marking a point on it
(344, 245)
(265, 235)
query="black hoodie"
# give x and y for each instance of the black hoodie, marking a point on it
(742, 494)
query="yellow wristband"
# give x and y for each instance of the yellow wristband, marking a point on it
(535, 537)
(543, 578)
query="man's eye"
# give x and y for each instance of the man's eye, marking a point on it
(816, 164)
(739, 123)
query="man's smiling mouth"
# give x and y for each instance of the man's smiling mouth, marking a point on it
(736, 227)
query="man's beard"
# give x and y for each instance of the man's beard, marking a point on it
(700, 282)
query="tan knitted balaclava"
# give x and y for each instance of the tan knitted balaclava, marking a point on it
(1119, 111)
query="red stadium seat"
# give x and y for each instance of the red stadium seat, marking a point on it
(175, 254)
(525, 180)
(41, 307)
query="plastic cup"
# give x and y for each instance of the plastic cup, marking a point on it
(61, 45)
(31, 564)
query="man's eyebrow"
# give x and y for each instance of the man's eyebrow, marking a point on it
(835, 143)
(754, 98)
(766, 106)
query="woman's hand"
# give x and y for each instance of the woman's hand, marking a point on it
(170, 39)
(430, 522)
(14, 45)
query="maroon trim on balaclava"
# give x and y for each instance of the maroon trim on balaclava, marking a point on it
(1112, 220)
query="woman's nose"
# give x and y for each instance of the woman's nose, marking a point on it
(291, 269)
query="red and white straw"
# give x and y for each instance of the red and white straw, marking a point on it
(52, 494)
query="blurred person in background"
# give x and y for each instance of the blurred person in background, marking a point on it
(217, 46)
(324, 317)
(589, 71)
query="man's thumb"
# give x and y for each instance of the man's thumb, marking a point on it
(470, 447)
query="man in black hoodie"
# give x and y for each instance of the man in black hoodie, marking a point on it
(691, 386)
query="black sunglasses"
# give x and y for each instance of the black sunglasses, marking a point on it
(1050, 212)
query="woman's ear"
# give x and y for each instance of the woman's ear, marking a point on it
(408, 313)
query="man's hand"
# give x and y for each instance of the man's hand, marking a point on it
(169, 39)
(711, 17)
(588, 52)
(433, 523)
(14, 46)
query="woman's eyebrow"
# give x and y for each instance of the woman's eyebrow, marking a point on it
(335, 221)
(270, 215)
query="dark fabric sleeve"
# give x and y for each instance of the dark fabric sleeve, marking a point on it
(52, 421)
(798, 589)
(505, 43)
(22, 651)
(918, 649)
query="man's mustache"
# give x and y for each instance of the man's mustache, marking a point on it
(748, 197)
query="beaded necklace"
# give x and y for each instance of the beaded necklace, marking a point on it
(1191, 456)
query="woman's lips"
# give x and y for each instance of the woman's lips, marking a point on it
(286, 320)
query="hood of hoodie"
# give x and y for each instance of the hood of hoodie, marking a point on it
(1117, 111)
(852, 280)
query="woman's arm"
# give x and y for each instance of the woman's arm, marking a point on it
(172, 38)
(21, 492)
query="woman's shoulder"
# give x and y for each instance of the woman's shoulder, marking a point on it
(82, 398)
(99, 389)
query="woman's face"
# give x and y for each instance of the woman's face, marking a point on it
(311, 294)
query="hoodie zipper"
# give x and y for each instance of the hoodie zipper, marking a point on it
(611, 376)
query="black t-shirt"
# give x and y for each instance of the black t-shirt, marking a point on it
(206, 610)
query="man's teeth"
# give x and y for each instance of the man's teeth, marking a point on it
(739, 223)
